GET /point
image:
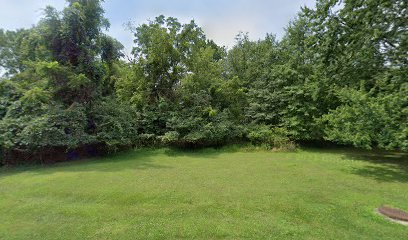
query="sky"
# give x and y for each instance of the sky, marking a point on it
(221, 20)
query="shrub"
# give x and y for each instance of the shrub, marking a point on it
(147, 139)
(170, 137)
(270, 138)
(216, 130)
(114, 124)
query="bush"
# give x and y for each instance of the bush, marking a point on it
(216, 130)
(115, 125)
(147, 140)
(369, 122)
(270, 138)
(170, 137)
(58, 128)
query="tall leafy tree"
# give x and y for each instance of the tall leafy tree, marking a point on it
(57, 74)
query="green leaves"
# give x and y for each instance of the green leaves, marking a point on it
(268, 137)
(167, 51)
(57, 128)
(76, 82)
(114, 123)
(338, 74)
(35, 99)
(367, 121)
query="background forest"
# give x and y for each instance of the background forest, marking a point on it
(339, 75)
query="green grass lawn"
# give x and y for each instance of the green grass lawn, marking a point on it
(207, 194)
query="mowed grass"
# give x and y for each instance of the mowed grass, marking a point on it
(207, 194)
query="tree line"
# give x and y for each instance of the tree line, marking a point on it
(339, 74)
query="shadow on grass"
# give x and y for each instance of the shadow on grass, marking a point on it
(132, 159)
(384, 166)
(144, 158)
(384, 173)
(209, 152)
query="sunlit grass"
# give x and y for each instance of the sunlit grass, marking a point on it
(207, 194)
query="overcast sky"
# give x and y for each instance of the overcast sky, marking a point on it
(221, 19)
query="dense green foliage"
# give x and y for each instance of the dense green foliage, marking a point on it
(339, 74)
